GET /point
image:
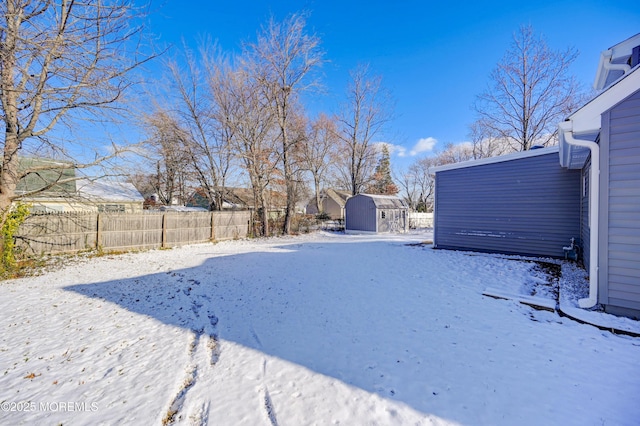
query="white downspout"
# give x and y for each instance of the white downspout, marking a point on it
(594, 197)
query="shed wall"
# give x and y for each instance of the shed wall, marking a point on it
(620, 205)
(395, 220)
(360, 213)
(527, 206)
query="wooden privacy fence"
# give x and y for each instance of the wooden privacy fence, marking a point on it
(73, 232)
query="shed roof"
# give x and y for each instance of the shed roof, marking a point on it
(386, 201)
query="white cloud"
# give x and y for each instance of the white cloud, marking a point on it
(423, 145)
(398, 150)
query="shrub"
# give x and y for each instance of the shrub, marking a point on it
(14, 219)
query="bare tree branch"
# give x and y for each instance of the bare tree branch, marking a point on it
(530, 91)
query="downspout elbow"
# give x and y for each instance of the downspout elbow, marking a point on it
(606, 66)
(594, 196)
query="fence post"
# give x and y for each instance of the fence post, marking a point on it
(213, 229)
(164, 231)
(98, 231)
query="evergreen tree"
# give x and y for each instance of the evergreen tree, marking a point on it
(382, 181)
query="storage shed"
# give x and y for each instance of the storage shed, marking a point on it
(523, 203)
(376, 213)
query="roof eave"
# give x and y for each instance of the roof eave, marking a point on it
(586, 122)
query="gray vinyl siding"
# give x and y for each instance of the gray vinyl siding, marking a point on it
(527, 206)
(585, 233)
(620, 205)
(360, 214)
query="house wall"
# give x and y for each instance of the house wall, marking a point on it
(332, 208)
(620, 207)
(50, 206)
(360, 214)
(311, 207)
(527, 206)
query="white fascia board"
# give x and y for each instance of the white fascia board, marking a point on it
(589, 118)
(499, 159)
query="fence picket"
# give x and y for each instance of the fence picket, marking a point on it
(73, 232)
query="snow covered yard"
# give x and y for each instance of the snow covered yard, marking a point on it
(317, 329)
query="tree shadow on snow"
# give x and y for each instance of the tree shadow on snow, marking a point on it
(335, 309)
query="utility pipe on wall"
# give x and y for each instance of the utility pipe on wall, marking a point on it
(594, 196)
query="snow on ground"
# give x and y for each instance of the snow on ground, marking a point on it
(316, 329)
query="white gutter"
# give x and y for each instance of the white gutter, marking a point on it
(566, 130)
(605, 66)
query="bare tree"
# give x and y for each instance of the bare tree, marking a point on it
(317, 150)
(169, 150)
(419, 183)
(455, 154)
(60, 60)
(204, 105)
(530, 91)
(253, 138)
(220, 156)
(281, 60)
(361, 119)
(409, 186)
(486, 141)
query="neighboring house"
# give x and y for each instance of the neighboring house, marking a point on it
(240, 199)
(333, 202)
(65, 192)
(594, 198)
(366, 213)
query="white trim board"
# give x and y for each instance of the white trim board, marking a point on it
(499, 159)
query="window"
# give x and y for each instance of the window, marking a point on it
(382, 214)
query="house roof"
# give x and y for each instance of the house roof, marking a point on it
(614, 62)
(106, 190)
(339, 196)
(498, 159)
(586, 122)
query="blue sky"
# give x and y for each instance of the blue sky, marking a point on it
(434, 57)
